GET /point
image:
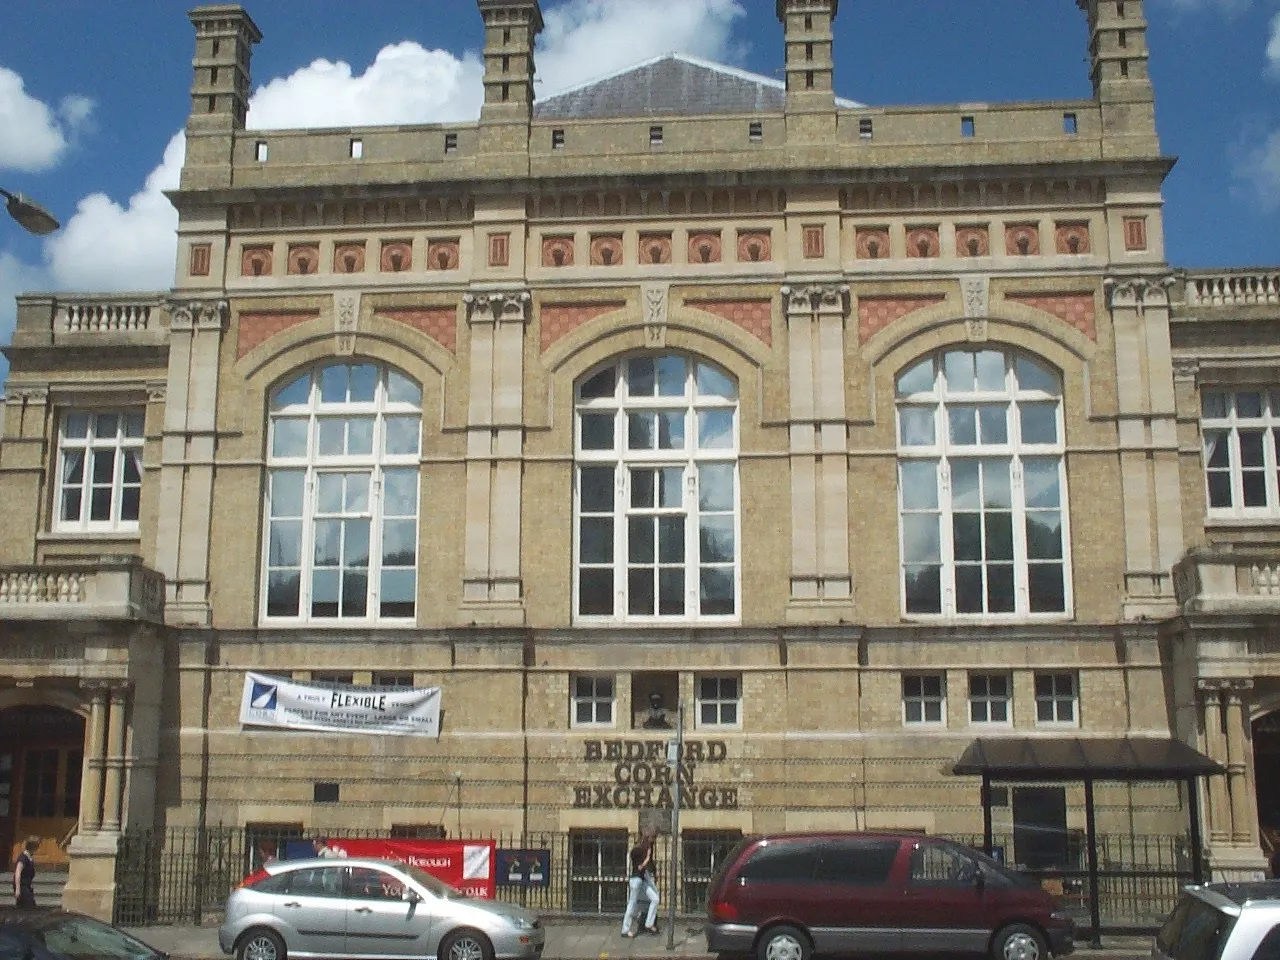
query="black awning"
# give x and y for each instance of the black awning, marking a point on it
(1084, 758)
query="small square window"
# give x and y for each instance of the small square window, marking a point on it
(557, 139)
(865, 128)
(325, 792)
(357, 148)
(450, 143)
(1056, 699)
(393, 679)
(755, 132)
(924, 699)
(719, 700)
(260, 151)
(333, 677)
(592, 697)
(967, 127)
(655, 136)
(989, 698)
(1070, 124)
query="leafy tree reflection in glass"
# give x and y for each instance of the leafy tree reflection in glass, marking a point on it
(982, 486)
(656, 491)
(342, 496)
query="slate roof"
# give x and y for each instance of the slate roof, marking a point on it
(670, 85)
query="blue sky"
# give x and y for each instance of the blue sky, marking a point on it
(94, 92)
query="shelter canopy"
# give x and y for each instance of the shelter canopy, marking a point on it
(1084, 758)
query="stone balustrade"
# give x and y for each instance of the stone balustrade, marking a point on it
(115, 588)
(1235, 288)
(91, 321)
(98, 316)
(1229, 581)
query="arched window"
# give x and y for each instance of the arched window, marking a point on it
(342, 496)
(656, 496)
(982, 487)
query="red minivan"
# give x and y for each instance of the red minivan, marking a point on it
(790, 896)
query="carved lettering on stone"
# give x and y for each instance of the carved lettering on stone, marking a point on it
(346, 319)
(504, 306)
(976, 295)
(656, 305)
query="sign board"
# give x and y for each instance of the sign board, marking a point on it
(524, 868)
(275, 702)
(468, 865)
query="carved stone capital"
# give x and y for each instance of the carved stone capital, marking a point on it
(1138, 292)
(1186, 368)
(812, 298)
(498, 306)
(27, 393)
(187, 315)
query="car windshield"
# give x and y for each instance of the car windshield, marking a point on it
(433, 885)
(991, 866)
(74, 936)
(1194, 931)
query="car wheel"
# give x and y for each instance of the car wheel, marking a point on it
(1019, 942)
(465, 945)
(783, 943)
(260, 944)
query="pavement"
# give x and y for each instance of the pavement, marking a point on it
(576, 939)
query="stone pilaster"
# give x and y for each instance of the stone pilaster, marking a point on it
(808, 31)
(95, 751)
(821, 578)
(1232, 831)
(114, 779)
(491, 589)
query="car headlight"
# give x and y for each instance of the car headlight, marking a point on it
(1060, 915)
(522, 923)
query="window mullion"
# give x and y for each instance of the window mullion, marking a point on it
(621, 513)
(1018, 519)
(946, 538)
(692, 550)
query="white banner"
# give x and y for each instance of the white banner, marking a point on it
(273, 702)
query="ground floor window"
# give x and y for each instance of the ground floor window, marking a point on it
(598, 871)
(703, 852)
(265, 842)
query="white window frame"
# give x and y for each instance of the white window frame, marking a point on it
(916, 693)
(1227, 423)
(947, 456)
(985, 699)
(319, 472)
(126, 441)
(691, 458)
(722, 692)
(1064, 689)
(595, 699)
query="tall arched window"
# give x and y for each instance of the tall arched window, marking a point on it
(982, 486)
(342, 496)
(656, 497)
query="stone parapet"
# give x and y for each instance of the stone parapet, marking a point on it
(1234, 581)
(112, 589)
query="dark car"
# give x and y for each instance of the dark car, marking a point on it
(63, 935)
(789, 896)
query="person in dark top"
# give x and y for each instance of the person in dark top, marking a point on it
(641, 882)
(24, 874)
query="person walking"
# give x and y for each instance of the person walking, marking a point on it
(642, 882)
(24, 874)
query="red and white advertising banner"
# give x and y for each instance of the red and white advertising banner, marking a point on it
(468, 865)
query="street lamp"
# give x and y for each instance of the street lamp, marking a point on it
(30, 215)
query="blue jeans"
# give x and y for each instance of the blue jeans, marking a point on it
(635, 888)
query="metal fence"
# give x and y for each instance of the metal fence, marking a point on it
(183, 875)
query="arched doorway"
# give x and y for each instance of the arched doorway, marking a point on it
(40, 768)
(1266, 772)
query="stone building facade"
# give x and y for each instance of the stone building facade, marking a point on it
(857, 432)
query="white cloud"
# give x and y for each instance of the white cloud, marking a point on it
(1229, 7)
(1273, 48)
(1256, 167)
(35, 135)
(585, 39)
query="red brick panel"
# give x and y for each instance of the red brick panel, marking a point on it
(876, 313)
(753, 316)
(438, 323)
(560, 319)
(257, 328)
(1077, 309)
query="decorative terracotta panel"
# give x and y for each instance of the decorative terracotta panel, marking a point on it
(304, 258)
(655, 248)
(499, 249)
(201, 254)
(397, 256)
(348, 258)
(1071, 238)
(560, 319)
(255, 329)
(973, 241)
(871, 243)
(1077, 309)
(557, 251)
(815, 242)
(704, 247)
(755, 246)
(753, 316)
(438, 323)
(876, 313)
(1135, 233)
(1022, 239)
(923, 242)
(256, 262)
(443, 254)
(606, 250)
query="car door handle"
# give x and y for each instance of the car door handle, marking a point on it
(364, 910)
(293, 903)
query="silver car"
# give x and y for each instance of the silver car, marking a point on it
(1222, 921)
(370, 908)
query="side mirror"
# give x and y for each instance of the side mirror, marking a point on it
(410, 896)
